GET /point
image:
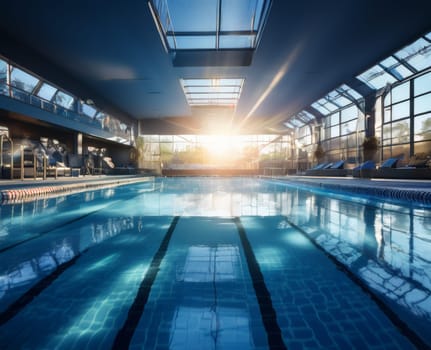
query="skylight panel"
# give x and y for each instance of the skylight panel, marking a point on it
(237, 41)
(396, 68)
(341, 101)
(296, 123)
(319, 108)
(212, 91)
(210, 24)
(238, 15)
(376, 77)
(191, 15)
(324, 106)
(189, 42)
(347, 90)
(330, 106)
(289, 125)
(211, 95)
(212, 102)
(417, 54)
(306, 116)
(228, 81)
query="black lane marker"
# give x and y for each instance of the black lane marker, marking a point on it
(125, 334)
(34, 291)
(269, 317)
(395, 319)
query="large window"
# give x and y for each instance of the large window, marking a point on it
(22, 85)
(422, 114)
(342, 134)
(407, 118)
(221, 151)
(23, 80)
(64, 100)
(396, 121)
(3, 78)
(46, 91)
(88, 110)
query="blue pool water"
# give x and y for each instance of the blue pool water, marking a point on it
(214, 263)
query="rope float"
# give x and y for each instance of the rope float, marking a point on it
(18, 194)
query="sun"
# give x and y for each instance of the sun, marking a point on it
(221, 146)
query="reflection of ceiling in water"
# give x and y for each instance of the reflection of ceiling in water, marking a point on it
(210, 264)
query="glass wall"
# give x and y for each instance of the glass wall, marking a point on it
(407, 119)
(342, 134)
(215, 151)
(22, 85)
(337, 124)
(422, 114)
(3, 77)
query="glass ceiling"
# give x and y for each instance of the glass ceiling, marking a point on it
(204, 92)
(210, 24)
(336, 99)
(300, 119)
(294, 122)
(402, 64)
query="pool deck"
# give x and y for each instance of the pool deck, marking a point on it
(405, 190)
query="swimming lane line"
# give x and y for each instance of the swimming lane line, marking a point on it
(269, 317)
(125, 334)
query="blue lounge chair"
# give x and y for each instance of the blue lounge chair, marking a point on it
(328, 169)
(389, 163)
(319, 166)
(338, 165)
(367, 165)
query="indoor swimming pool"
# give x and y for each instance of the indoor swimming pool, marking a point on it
(214, 263)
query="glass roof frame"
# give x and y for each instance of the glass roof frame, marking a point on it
(305, 117)
(210, 25)
(400, 65)
(337, 99)
(212, 92)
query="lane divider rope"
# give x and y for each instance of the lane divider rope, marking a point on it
(18, 194)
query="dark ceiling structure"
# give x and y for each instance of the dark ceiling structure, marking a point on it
(111, 52)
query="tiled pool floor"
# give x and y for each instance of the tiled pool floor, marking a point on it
(203, 296)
